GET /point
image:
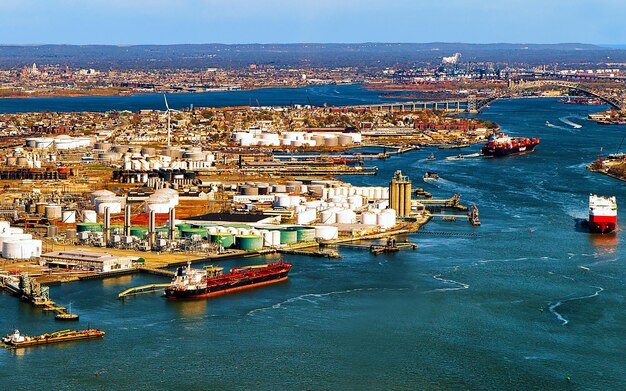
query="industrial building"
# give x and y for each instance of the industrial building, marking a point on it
(86, 260)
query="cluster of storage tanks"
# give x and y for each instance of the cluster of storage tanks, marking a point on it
(252, 239)
(255, 137)
(29, 160)
(16, 244)
(341, 205)
(148, 158)
(62, 142)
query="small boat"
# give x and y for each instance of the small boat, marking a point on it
(457, 157)
(431, 156)
(431, 176)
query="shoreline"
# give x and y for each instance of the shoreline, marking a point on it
(89, 93)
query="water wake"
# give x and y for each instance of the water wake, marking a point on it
(553, 306)
(310, 297)
(460, 285)
(566, 121)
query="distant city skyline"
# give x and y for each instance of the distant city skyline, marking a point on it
(134, 22)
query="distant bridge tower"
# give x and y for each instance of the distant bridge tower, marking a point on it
(471, 104)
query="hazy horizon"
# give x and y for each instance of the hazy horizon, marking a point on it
(159, 22)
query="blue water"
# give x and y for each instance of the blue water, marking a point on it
(508, 309)
(332, 95)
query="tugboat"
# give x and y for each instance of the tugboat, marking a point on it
(17, 340)
(502, 145)
(602, 214)
(196, 283)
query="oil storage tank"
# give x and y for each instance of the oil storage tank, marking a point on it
(249, 242)
(225, 239)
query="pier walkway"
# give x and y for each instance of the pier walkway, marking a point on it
(138, 290)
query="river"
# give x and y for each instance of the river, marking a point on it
(530, 302)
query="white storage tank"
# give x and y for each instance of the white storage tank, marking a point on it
(346, 217)
(31, 248)
(12, 249)
(326, 232)
(355, 201)
(267, 238)
(69, 216)
(113, 203)
(275, 238)
(378, 193)
(157, 204)
(100, 193)
(14, 236)
(328, 216)
(294, 200)
(306, 217)
(387, 218)
(368, 218)
(90, 216)
(282, 200)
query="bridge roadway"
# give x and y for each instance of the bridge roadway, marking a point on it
(472, 105)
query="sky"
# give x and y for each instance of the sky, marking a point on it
(132, 22)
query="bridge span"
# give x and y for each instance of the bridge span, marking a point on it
(472, 104)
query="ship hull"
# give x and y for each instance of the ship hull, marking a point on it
(602, 224)
(226, 287)
(487, 151)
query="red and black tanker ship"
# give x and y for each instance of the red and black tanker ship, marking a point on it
(502, 145)
(194, 283)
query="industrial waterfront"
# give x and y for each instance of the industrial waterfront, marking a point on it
(526, 301)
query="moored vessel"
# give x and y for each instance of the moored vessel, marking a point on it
(502, 145)
(196, 283)
(602, 213)
(16, 340)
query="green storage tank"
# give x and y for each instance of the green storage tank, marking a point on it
(182, 226)
(249, 242)
(85, 227)
(226, 239)
(306, 234)
(189, 232)
(139, 232)
(163, 229)
(288, 236)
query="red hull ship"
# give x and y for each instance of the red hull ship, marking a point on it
(502, 145)
(602, 214)
(194, 283)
